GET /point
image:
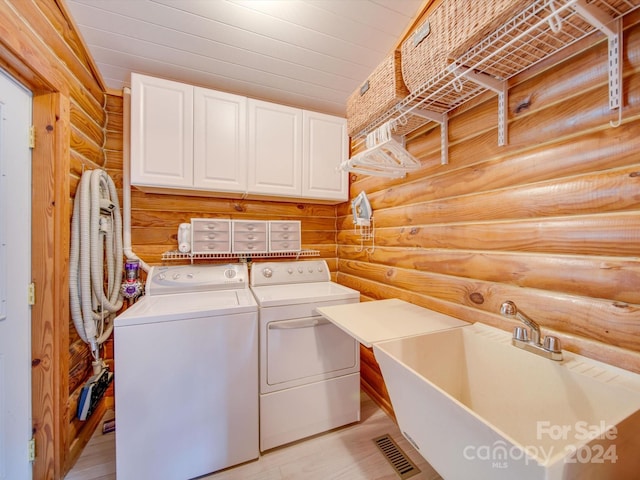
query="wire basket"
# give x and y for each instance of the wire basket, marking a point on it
(383, 90)
(453, 27)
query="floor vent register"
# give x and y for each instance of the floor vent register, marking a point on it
(399, 460)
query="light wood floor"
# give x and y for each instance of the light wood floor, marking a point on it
(347, 453)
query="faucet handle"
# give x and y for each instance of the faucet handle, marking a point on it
(521, 334)
(552, 344)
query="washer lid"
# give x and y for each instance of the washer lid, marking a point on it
(297, 293)
(180, 306)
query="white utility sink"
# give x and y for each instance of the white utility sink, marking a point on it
(477, 407)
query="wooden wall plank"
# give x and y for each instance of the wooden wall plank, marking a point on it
(614, 278)
(614, 235)
(82, 122)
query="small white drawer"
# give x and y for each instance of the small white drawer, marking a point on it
(213, 235)
(250, 237)
(210, 225)
(209, 235)
(241, 246)
(249, 226)
(210, 247)
(284, 226)
(284, 245)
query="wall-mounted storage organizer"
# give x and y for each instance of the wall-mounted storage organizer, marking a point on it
(284, 236)
(534, 32)
(231, 239)
(210, 236)
(249, 236)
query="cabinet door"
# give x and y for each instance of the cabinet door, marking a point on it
(275, 149)
(325, 145)
(219, 148)
(161, 132)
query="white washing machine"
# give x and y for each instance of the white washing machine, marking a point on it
(309, 368)
(186, 379)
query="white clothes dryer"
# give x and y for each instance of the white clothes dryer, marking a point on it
(309, 368)
(186, 374)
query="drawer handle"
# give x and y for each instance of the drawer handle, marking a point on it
(211, 226)
(251, 237)
(285, 236)
(211, 247)
(211, 236)
(250, 246)
(304, 323)
(285, 227)
(251, 227)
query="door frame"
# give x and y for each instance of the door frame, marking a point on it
(50, 237)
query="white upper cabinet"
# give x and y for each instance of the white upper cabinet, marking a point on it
(161, 132)
(204, 142)
(325, 145)
(220, 141)
(275, 149)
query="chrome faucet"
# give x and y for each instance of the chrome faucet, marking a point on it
(549, 348)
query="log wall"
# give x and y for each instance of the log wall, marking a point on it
(550, 221)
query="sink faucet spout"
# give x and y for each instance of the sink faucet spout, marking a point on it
(508, 309)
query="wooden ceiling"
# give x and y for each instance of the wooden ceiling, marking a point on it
(306, 53)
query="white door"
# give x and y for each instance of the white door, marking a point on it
(275, 149)
(15, 274)
(325, 145)
(219, 141)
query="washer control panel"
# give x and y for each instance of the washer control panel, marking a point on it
(196, 278)
(299, 271)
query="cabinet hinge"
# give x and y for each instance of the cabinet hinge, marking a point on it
(32, 450)
(32, 294)
(32, 136)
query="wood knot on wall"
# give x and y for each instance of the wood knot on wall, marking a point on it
(477, 298)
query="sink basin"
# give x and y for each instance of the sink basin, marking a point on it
(476, 407)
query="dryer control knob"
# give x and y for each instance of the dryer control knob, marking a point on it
(289, 271)
(176, 276)
(267, 272)
(300, 270)
(230, 273)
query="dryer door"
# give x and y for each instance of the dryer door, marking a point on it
(305, 350)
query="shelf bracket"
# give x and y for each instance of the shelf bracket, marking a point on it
(613, 30)
(440, 118)
(490, 83)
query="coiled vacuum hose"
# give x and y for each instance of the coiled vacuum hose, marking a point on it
(96, 239)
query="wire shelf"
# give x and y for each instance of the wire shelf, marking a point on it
(175, 255)
(542, 29)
